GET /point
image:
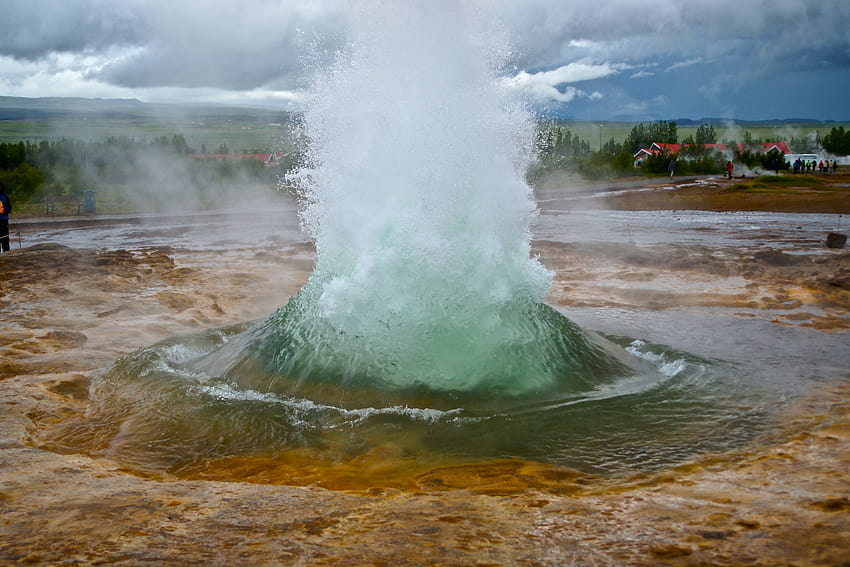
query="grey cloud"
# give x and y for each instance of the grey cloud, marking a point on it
(166, 65)
(182, 43)
(627, 30)
(31, 30)
(222, 43)
(230, 46)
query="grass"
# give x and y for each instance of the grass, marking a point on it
(789, 184)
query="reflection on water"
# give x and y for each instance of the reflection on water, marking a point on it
(202, 231)
(786, 231)
(750, 229)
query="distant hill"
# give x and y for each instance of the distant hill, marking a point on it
(772, 121)
(51, 108)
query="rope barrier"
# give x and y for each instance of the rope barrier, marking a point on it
(9, 237)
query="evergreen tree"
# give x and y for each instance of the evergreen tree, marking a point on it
(643, 135)
(706, 135)
(837, 142)
(12, 155)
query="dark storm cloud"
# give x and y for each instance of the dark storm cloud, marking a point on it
(33, 30)
(550, 32)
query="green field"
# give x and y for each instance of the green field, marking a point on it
(242, 130)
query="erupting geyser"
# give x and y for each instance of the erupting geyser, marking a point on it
(423, 323)
(416, 201)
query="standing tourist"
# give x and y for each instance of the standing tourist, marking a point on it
(5, 209)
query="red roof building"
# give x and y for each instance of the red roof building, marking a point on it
(657, 148)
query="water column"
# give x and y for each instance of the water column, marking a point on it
(414, 193)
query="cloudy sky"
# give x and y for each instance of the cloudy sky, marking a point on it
(595, 60)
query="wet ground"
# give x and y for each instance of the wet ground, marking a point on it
(756, 289)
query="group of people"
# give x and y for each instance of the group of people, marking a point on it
(5, 209)
(811, 166)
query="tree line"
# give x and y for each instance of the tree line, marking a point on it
(561, 152)
(31, 170)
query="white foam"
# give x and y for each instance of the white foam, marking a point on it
(227, 392)
(669, 368)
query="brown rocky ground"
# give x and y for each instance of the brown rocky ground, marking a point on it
(66, 313)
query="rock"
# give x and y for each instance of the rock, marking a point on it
(836, 240)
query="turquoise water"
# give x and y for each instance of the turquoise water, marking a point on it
(156, 410)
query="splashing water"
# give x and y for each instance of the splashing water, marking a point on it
(421, 218)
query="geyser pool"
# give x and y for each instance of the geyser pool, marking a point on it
(423, 324)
